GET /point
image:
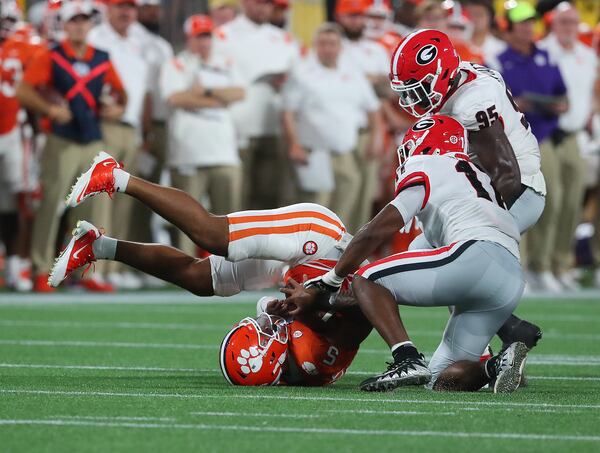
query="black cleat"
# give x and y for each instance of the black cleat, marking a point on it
(509, 368)
(408, 371)
(523, 332)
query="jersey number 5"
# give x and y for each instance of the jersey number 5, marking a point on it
(332, 355)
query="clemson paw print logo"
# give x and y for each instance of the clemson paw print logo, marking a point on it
(310, 248)
(250, 360)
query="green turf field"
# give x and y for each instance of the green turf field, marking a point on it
(140, 373)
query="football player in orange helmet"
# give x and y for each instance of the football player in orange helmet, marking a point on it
(314, 349)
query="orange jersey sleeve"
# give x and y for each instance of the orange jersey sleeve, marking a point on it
(39, 69)
(316, 360)
(112, 78)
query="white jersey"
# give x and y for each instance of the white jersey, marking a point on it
(482, 98)
(454, 201)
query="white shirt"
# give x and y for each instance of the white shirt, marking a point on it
(491, 48)
(437, 190)
(205, 137)
(329, 105)
(579, 68)
(481, 99)
(257, 51)
(367, 56)
(127, 55)
(156, 52)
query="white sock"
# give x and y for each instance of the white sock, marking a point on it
(105, 248)
(397, 345)
(121, 179)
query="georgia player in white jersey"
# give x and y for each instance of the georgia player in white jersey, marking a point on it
(429, 78)
(474, 268)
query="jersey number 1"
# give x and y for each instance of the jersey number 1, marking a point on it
(462, 166)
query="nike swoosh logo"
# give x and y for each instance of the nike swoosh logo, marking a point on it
(76, 254)
(108, 163)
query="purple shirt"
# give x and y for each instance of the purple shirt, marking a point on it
(534, 74)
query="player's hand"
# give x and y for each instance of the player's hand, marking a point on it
(112, 112)
(278, 308)
(298, 155)
(299, 299)
(60, 114)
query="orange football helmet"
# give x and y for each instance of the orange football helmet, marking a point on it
(254, 351)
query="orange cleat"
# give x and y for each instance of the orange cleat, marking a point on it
(79, 253)
(98, 179)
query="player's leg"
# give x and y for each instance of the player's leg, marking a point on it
(291, 233)
(206, 230)
(88, 245)
(465, 275)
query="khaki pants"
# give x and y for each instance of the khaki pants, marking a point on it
(346, 193)
(369, 183)
(550, 242)
(62, 162)
(221, 184)
(140, 225)
(121, 142)
(264, 167)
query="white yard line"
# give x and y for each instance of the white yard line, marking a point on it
(216, 370)
(115, 325)
(131, 325)
(296, 430)
(105, 344)
(378, 412)
(534, 359)
(263, 396)
(184, 298)
(110, 418)
(130, 298)
(255, 414)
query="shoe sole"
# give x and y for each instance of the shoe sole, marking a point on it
(59, 269)
(83, 180)
(388, 386)
(510, 380)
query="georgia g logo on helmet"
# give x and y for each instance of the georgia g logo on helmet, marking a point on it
(427, 54)
(423, 125)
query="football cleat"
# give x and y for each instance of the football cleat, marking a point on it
(99, 178)
(78, 253)
(408, 371)
(524, 332)
(509, 368)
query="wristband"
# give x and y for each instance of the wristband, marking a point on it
(333, 279)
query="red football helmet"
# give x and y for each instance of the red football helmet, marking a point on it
(422, 69)
(434, 135)
(254, 351)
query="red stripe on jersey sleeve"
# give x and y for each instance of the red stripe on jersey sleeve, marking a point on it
(417, 178)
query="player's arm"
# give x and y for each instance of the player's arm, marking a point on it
(38, 73)
(372, 235)
(495, 155)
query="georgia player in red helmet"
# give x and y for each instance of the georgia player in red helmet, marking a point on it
(429, 78)
(474, 267)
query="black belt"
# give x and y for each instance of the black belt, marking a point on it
(560, 135)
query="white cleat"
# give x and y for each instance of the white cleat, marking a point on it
(98, 179)
(509, 368)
